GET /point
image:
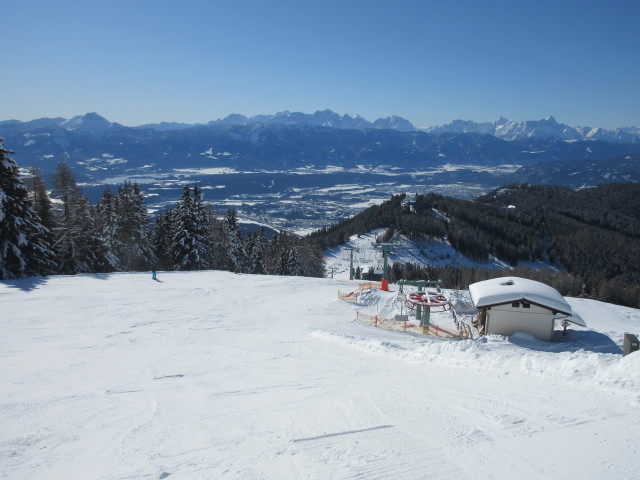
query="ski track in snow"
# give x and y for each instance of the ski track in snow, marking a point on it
(215, 375)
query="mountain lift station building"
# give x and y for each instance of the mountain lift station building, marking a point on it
(511, 304)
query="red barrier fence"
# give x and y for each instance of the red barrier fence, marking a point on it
(369, 285)
(407, 326)
(348, 297)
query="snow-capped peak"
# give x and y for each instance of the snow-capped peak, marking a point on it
(90, 123)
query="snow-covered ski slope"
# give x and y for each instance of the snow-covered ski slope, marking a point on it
(425, 252)
(207, 375)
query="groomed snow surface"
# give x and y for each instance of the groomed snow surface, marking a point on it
(205, 375)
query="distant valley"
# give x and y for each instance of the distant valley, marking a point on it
(300, 171)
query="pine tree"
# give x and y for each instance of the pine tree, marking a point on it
(311, 258)
(216, 236)
(66, 234)
(220, 245)
(93, 251)
(39, 197)
(286, 255)
(24, 246)
(256, 252)
(41, 202)
(202, 231)
(282, 255)
(293, 263)
(80, 247)
(132, 232)
(249, 241)
(191, 244)
(146, 257)
(161, 239)
(106, 226)
(273, 253)
(236, 255)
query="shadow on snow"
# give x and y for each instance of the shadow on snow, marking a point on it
(26, 284)
(32, 283)
(573, 341)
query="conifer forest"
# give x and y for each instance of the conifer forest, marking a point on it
(590, 238)
(62, 233)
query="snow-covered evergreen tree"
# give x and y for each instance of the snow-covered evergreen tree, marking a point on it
(311, 258)
(249, 240)
(66, 233)
(190, 247)
(273, 253)
(234, 246)
(106, 226)
(39, 197)
(219, 246)
(135, 252)
(25, 249)
(214, 231)
(202, 231)
(285, 254)
(161, 239)
(256, 251)
(93, 250)
(41, 202)
(289, 255)
(293, 263)
(79, 245)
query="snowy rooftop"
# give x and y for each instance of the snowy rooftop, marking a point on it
(497, 291)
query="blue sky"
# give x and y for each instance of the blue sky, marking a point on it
(431, 62)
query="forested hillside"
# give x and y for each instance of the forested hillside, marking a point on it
(591, 234)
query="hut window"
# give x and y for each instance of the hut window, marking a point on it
(515, 304)
(526, 305)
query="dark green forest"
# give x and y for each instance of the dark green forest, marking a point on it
(591, 235)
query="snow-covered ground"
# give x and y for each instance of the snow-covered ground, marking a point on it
(207, 375)
(366, 255)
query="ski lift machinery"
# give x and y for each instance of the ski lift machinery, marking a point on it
(379, 260)
(386, 250)
(350, 258)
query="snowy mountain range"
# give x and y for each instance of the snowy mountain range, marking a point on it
(96, 125)
(502, 128)
(325, 118)
(510, 130)
(296, 140)
(304, 171)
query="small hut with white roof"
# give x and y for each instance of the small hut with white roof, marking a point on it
(511, 304)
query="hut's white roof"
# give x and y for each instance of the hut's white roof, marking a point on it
(498, 291)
